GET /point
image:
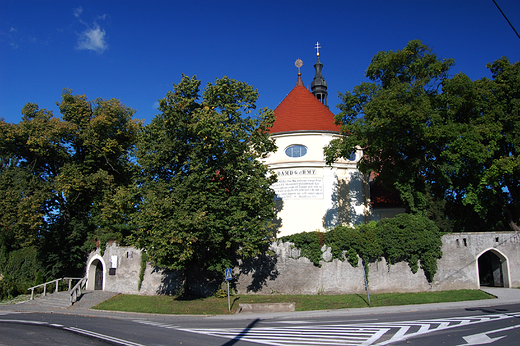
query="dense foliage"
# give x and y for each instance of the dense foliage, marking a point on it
(199, 195)
(190, 189)
(447, 144)
(20, 269)
(57, 176)
(205, 196)
(411, 238)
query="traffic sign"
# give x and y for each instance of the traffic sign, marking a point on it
(229, 274)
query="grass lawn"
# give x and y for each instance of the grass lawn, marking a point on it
(219, 306)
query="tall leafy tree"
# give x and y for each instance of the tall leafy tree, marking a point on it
(100, 139)
(57, 176)
(390, 117)
(206, 199)
(447, 144)
(484, 151)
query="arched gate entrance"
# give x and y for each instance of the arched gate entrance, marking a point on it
(493, 269)
(96, 274)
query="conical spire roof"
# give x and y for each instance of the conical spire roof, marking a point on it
(302, 111)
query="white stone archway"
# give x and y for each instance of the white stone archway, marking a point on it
(503, 266)
(92, 267)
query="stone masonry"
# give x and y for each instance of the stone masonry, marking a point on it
(287, 273)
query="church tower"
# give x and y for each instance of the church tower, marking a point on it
(319, 85)
(311, 195)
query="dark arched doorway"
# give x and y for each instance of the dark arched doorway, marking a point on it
(98, 278)
(490, 269)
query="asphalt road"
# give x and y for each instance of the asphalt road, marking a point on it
(496, 325)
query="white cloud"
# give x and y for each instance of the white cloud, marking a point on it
(77, 11)
(11, 37)
(92, 39)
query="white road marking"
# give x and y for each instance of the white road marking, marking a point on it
(482, 338)
(102, 336)
(24, 322)
(355, 334)
(76, 330)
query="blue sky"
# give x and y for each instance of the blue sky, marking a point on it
(135, 50)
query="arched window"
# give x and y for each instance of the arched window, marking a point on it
(296, 150)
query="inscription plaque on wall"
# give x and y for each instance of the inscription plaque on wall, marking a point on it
(299, 188)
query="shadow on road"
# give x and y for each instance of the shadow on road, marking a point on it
(489, 310)
(242, 333)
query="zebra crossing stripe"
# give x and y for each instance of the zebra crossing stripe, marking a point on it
(320, 335)
(356, 334)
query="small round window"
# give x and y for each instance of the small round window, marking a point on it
(352, 157)
(296, 151)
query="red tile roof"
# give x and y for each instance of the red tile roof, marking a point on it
(302, 111)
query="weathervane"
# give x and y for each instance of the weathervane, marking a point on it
(298, 64)
(317, 46)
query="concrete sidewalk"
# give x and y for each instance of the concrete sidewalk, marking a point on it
(505, 296)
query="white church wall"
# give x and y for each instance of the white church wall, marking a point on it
(312, 195)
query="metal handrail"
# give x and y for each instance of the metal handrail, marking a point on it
(44, 287)
(75, 293)
(69, 279)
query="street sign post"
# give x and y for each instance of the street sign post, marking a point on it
(229, 276)
(366, 281)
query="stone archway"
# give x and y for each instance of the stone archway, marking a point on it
(493, 269)
(96, 273)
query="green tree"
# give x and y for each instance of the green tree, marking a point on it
(100, 139)
(389, 117)
(206, 199)
(496, 189)
(447, 145)
(57, 175)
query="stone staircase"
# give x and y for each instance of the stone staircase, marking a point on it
(57, 300)
(61, 301)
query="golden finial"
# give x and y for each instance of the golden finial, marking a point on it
(298, 64)
(317, 46)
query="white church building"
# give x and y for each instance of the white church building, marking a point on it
(312, 195)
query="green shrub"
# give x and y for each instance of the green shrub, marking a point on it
(406, 237)
(309, 243)
(411, 238)
(19, 269)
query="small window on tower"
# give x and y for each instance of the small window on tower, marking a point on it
(296, 151)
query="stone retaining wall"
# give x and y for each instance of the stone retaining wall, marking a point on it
(287, 273)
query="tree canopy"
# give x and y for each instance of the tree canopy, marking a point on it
(205, 196)
(189, 188)
(446, 143)
(56, 175)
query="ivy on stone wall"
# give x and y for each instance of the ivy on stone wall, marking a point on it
(411, 238)
(144, 260)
